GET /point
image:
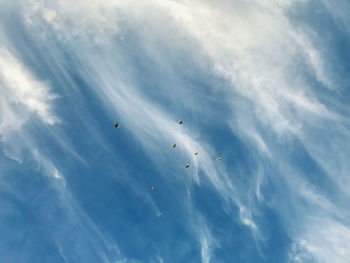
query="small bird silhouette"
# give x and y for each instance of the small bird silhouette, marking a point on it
(187, 165)
(196, 153)
(174, 145)
(153, 188)
(116, 125)
(180, 122)
(219, 159)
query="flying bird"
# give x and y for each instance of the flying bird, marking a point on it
(174, 145)
(116, 125)
(153, 188)
(180, 122)
(219, 159)
(187, 165)
(196, 153)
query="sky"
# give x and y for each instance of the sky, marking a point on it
(263, 84)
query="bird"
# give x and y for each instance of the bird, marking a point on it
(180, 122)
(219, 159)
(174, 145)
(196, 153)
(116, 125)
(187, 165)
(153, 188)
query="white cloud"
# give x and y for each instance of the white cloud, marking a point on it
(323, 240)
(22, 97)
(90, 20)
(21, 94)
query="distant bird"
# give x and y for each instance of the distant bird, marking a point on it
(153, 188)
(174, 145)
(187, 165)
(196, 153)
(219, 159)
(116, 125)
(180, 122)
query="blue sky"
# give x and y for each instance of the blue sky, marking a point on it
(264, 84)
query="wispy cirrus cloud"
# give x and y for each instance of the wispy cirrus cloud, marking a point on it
(22, 94)
(324, 240)
(271, 77)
